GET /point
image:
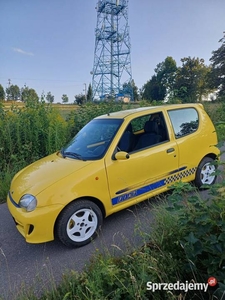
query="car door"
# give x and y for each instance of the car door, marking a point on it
(185, 123)
(142, 175)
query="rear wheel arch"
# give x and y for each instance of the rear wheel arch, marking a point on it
(205, 171)
(212, 155)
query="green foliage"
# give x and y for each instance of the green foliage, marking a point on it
(135, 91)
(130, 90)
(2, 93)
(190, 81)
(29, 95)
(173, 100)
(50, 97)
(161, 82)
(26, 135)
(202, 224)
(13, 92)
(220, 129)
(165, 72)
(216, 112)
(154, 89)
(218, 68)
(79, 99)
(65, 98)
(88, 111)
(89, 93)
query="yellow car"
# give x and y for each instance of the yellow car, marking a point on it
(115, 161)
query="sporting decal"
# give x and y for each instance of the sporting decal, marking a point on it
(138, 192)
(180, 175)
(153, 186)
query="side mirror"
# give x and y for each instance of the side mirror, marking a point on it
(122, 155)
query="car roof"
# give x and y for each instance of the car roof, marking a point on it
(150, 109)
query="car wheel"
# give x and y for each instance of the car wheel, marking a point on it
(205, 173)
(79, 223)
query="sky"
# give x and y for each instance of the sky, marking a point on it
(48, 45)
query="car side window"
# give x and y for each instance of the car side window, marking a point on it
(144, 132)
(185, 121)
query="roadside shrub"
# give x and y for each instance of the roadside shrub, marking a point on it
(220, 129)
(202, 224)
(88, 111)
(28, 134)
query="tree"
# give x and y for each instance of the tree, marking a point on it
(89, 93)
(153, 90)
(65, 98)
(79, 99)
(2, 93)
(218, 68)
(161, 83)
(129, 88)
(49, 97)
(13, 92)
(190, 81)
(135, 90)
(29, 94)
(165, 73)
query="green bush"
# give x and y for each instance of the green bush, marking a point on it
(28, 134)
(202, 224)
(87, 112)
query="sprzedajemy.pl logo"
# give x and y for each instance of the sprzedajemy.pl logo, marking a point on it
(181, 286)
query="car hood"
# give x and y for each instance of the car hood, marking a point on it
(43, 173)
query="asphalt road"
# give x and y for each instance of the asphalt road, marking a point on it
(40, 266)
(43, 265)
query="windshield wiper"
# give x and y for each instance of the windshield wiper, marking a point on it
(73, 154)
(62, 152)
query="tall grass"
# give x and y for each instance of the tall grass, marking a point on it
(27, 134)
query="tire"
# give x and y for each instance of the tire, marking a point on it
(79, 223)
(205, 174)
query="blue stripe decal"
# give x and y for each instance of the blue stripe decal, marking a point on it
(138, 192)
(178, 174)
(13, 202)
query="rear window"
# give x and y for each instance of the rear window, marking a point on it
(185, 121)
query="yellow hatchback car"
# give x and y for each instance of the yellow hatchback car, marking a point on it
(115, 161)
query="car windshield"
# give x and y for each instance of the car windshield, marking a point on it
(92, 140)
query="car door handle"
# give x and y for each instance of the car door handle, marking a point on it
(170, 150)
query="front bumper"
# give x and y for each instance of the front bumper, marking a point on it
(36, 226)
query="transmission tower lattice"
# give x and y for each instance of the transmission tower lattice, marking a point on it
(111, 75)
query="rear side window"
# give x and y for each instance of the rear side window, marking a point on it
(185, 121)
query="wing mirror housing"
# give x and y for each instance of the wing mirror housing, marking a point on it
(122, 155)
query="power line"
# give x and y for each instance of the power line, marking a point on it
(43, 79)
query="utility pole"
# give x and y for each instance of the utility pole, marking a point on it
(8, 94)
(85, 91)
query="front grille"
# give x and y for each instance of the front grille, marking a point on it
(31, 228)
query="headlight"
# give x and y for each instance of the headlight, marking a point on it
(29, 202)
